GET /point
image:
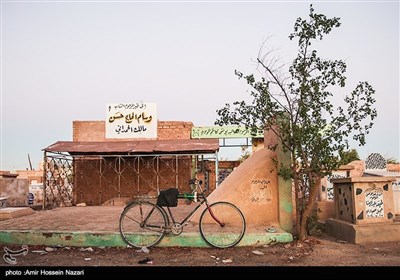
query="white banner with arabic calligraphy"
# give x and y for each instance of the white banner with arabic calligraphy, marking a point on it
(131, 120)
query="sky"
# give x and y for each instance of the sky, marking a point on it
(63, 61)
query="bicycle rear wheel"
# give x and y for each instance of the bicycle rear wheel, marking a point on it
(230, 232)
(142, 224)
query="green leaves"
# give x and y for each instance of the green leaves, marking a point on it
(298, 107)
(315, 28)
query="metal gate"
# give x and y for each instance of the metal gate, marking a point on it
(95, 179)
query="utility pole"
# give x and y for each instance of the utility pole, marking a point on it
(30, 163)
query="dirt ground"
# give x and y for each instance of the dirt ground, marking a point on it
(316, 251)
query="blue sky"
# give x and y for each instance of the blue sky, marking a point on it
(64, 61)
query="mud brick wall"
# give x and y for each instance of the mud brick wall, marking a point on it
(16, 190)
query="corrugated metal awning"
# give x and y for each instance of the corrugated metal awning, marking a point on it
(136, 147)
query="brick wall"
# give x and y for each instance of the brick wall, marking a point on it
(95, 130)
(174, 130)
(88, 130)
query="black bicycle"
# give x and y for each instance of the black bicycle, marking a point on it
(143, 223)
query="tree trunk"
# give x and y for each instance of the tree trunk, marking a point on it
(296, 196)
(298, 208)
(308, 211)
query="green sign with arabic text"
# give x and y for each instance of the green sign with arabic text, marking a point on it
(224, 132)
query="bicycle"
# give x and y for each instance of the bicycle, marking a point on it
(143, 223)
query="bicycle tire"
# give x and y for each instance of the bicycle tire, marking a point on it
(225, 236)
(132, 227)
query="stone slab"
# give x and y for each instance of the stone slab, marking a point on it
(14, 212)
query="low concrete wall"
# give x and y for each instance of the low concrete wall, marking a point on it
(186, 239)
(359, 234)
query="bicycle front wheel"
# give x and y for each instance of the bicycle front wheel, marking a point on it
(222, 225)
(142, 224)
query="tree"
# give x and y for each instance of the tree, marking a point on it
(348, 156)
(296, 106)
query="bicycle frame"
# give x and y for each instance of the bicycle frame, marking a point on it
(151, 230)
(203, 201)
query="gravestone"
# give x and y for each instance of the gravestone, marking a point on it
(364, 200)
(325, 199)
(375, 165)
(364, 209)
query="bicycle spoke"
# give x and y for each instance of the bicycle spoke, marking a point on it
(132, 219)
(222, 225)
(146, 233)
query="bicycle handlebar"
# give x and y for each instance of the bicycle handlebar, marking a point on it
(195, 181)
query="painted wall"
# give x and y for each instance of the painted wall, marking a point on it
(253, 187)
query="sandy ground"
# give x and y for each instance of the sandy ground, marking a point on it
(316, 251)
